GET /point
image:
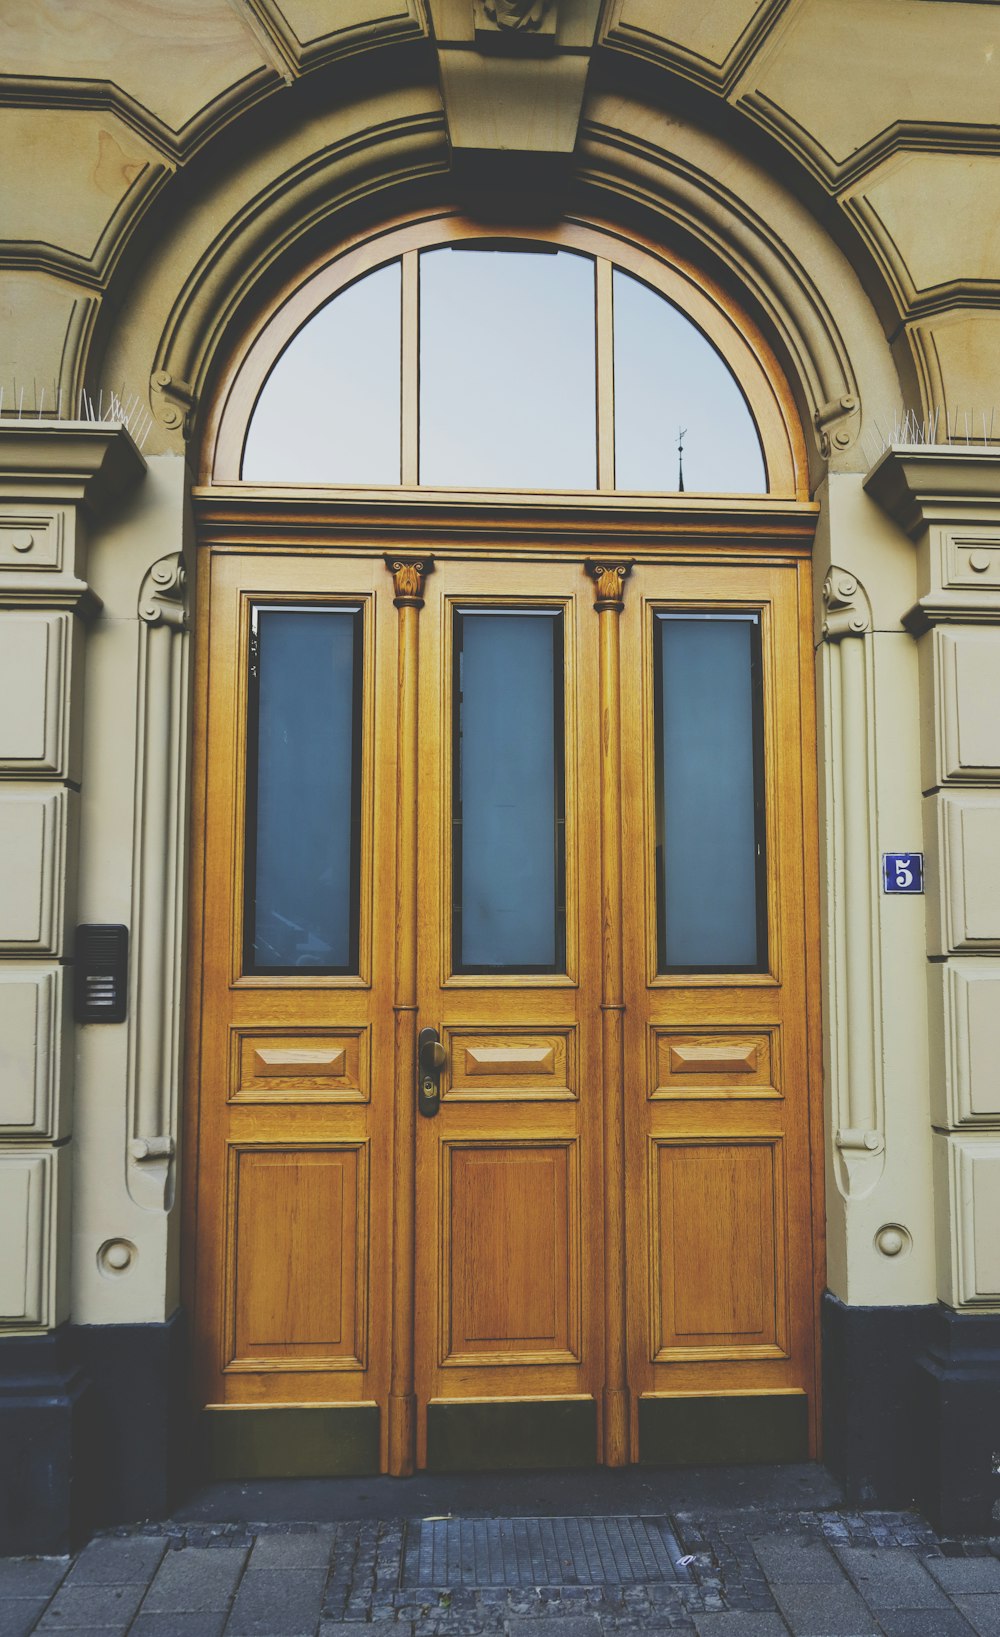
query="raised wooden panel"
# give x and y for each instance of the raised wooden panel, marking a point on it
(492, 1065)
(298, 1241)
(321, 1066)
(510, 1238)
(718, 1248)
(714, 1063)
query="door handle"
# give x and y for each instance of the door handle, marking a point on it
(431, 1059)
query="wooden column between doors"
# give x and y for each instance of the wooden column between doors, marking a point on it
(609, 582)
(408, 574)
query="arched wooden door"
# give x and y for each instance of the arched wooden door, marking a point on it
(501, 1151)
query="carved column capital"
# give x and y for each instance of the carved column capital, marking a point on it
(609, 583)
(408, 576)
(846, 609)
(162, 593)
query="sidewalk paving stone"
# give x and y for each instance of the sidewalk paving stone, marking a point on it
(301, 1549)
(966, 1574)
(825, 1610)
(740, 1624)
(923, 1623)
(195, 1580)
(76, 1607)
(117, 1561)
(31, 1576)
(890, 1577)
(374, 1628)
(795, 1561)
(277, 1600)
(982, 1610)
(178, 1625)
(19, 1617)
(564, 1625)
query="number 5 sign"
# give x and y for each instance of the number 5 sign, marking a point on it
(902, 872)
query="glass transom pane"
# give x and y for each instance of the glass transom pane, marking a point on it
(670, 380)
(507, 796)
(330, 410)
(304, 791)
(507, 370)
(710, 878)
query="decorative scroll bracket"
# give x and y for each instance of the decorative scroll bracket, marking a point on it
(408, 576)
(609, 583)
(175, 402)
(828, 421)
(846, 609)
(156, 988)
(854, 1048)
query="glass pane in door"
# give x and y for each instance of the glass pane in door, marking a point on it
(303, 791)
(710, 876)
(507, 815)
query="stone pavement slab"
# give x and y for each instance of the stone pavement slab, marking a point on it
(966, 1574)
(891, 1578)
(294, 1549)
(795, 1561)
(269, 1601)
(736, 1623)
(178, 1625)
(824, 1610)
(982, 1610)
(196, 1580)
(923, 1623)
(115, 1561)
(20, 1616)
(31, 1576)
(76, 1608)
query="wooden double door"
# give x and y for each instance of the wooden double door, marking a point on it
(500, 1148)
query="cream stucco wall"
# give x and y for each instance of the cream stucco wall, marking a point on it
(167, 169)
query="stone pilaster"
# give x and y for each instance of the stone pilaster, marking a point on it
(948, 501)
(55, 479)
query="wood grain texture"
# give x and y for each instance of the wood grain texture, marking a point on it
(620, 1192)
(510, 1225)
(298, 1231)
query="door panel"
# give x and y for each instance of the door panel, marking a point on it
(508, 1228)
(294, 1193)
(720, 1072)
(575, 846)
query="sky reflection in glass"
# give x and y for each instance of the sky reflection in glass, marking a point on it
(669, 377)
(508, 385)
(507, 370)
(330, 409)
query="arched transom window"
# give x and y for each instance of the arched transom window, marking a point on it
(568, 362)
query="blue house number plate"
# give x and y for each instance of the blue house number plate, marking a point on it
(902, 872)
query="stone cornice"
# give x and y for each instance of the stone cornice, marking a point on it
(920, 485)
(83, 463)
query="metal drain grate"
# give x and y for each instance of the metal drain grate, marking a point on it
(446, 1552)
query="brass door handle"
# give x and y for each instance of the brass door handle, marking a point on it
(431, 1059)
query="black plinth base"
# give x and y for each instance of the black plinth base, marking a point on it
(93, 1431)
(959, 1397)
(912, 1411)
(142, 1425)
(47, 1448)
